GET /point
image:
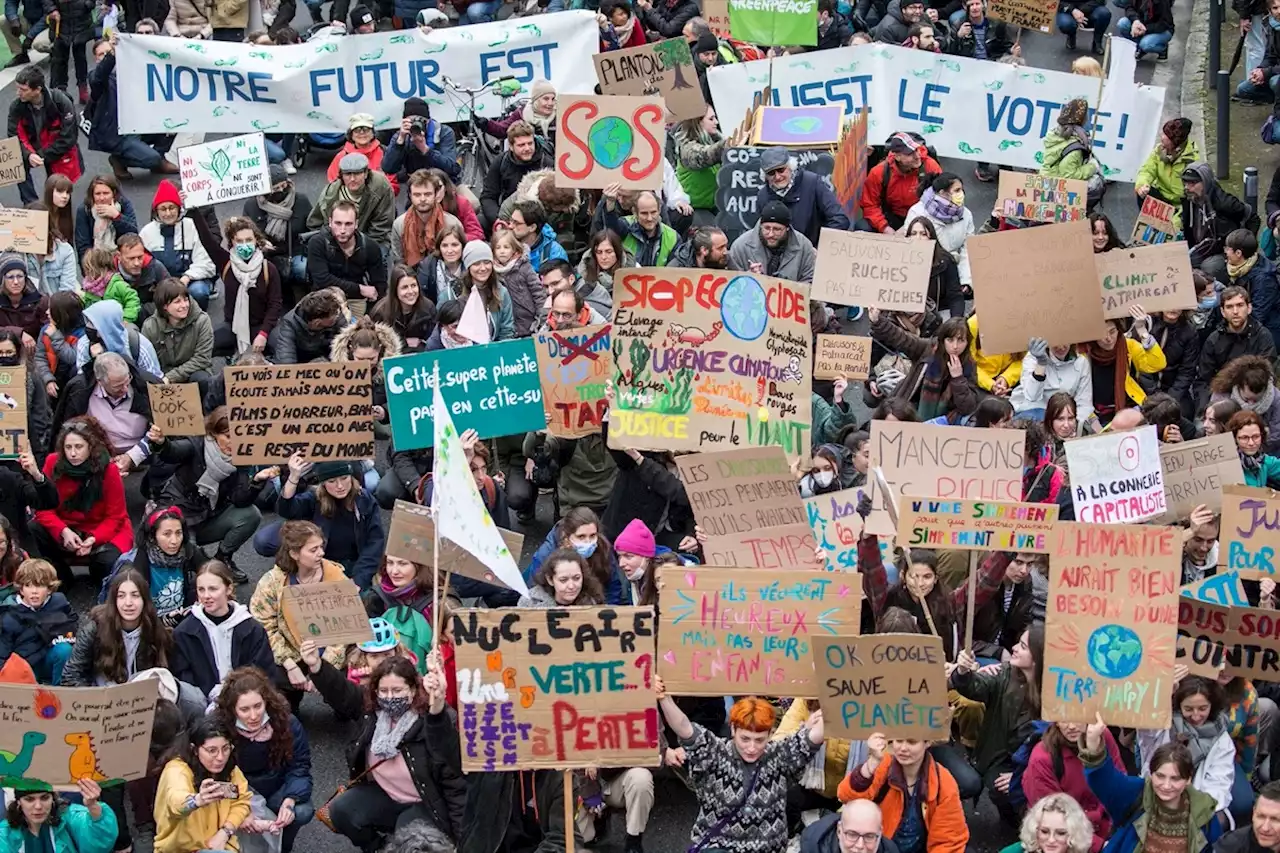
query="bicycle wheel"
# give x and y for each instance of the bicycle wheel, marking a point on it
(472, 165)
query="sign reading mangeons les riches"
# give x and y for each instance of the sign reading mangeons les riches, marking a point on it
(707, 360)
(976, 525)
(324, 410)
(736, 631)
(894, 684)
(930, 461)
(556, 688)
(1111, 624)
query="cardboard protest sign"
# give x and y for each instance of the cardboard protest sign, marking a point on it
(1252, 643)
(663, 68)
(1031, 14)
(738, 491)
(837, 527)
(1116, 476)
(872, 270)
(1156, 277)
(710, 360)
(324, 410)
(224, 170)
(842, 355)
(556, 688)
(177, 409)
(736, 631)
(59, 735)
(893, 684)
(1035, 283)
(329, 612)
(1224, 588)
(608, 139)
(12, 169)
(1027, 195)
(1155, 223)
(739, 181)
(797, 127)
(1202, 632)
(716, 13)
(1111, 623)
(13, 412)
(411, 536)
(850, 170)
(786, 546)
(24, 230)
(775, 22)
(930, 461)
(1195, 472)
(976, 525)
(493, 389)
(573, 367)
(1250, 533)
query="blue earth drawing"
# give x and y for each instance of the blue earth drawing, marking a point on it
(742, 308)
(801, 125)
(610, 141)
(1114, 651)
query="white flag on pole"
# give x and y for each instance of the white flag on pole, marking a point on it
(460, 513)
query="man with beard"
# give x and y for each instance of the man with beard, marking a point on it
(708, 248)
(774, 248)
(812, 204)
(893, 186)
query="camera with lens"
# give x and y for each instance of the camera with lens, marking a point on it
(417, 125)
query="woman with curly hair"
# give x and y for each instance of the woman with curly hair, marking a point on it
(271, 748)
(580, 530)
(202, 799)
(563, 580)
(1249, 381)
(91, 521)
(1055, 824)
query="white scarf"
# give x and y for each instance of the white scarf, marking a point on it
(217, 467)
(246, 273)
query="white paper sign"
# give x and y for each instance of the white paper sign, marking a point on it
(1116, 478)
(224, 170)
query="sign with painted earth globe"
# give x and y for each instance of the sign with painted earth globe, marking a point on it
(801, 125)
(610, 141)
(742, 308)
(1114, 651)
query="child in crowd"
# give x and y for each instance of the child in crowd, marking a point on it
(38, 623)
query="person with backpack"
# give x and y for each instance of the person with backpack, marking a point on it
(105, 331)
(1068, 150)
(1053, 766)
(894, 186)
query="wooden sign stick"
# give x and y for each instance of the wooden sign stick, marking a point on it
(569, 827)
(973, 597)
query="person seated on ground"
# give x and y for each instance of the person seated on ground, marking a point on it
(539, 112)
(217, 635)
(299, 560)
(1209, 214)
(649, 240)
(367, 340)
(1073, 15)
(271, 749)
(406, 310)
(443, 267)
(525, 153)
(774, 248)
(37, 622)
(1263, 831)
(1250, 382)
(830, 420)
(91, 521)
(414, 232)
(1055, 824)
(1239, 334)
(1180, 342)
(1149, 23)
(253, 297)
(167, 557)
(182, 334)
(1200, 545)
(140, 271)
(514, 272)
(563, 579)
(942, 206)
(174, 241)
(892, 26)
(619, 29)
(1250, 269)
(604, 259)
(648, 490)
(55, 355)
(1068, 149)
(999, 624)
(558, 277)
(362, 139)
(1199, 724)
(368, 190)
(307, 331)
(403, 594)
(1054, 770)
(114, 392)
(58, 268)
(1160, 176)
(699, 148)
(1261, 469)
(531, 225)
(105, 217)
(491, 490)
(39, 418)
(457, 204)
(855, 827)
(478, 274)
(811, 202)
(1116, 358)
(24, 489)
(122, 636)
(23, 307)
(421, 143)
(580, 530)
(36, 816)
(100, 282)
(894, 185)
(343, 257)
(1047, 371)
(1249, 721)
(202, 799)
(949, 388)
(281, 215)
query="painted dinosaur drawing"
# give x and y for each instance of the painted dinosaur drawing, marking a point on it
(83, 762)
(16, 764)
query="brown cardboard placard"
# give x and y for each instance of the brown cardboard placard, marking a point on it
(1156, 277)
(787, 546)
(1252, 643)
(24, 230)
(176, 409)
(894, 684)
(556, 688)
(931, 461)
(1111, 625)
(323, 409)
(573, 367)
(1032, 14)
(742, 631)
(411, 537)
(329, 612)
(716, 13)
(1249, 538)
(610, 139)
(850, 171)
(664, 68)
(738, 491)
(1195, 472)
(12, 169)
(842, 355)
(1035, 283)
(13, 412)
(59, 735)
(1155, 223)
(1027, 195)
(872, 270)
(837, 527)
(1202, 634)
(960, 525)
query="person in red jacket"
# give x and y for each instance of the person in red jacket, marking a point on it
(1054, 767)
(91, 522)
(894, 185)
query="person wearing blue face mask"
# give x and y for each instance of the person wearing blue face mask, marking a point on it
(581, 531)
(253, 301)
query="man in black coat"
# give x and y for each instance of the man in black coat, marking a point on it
(830, 834)
(526, 154)
(1262, 835)
(812, 204)
(128, 150)
(281, 214)
(339, 255)
(1239, 334)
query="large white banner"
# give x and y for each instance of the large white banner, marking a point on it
(968, 108)
(224, 87)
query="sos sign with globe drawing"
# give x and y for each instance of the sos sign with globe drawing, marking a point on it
(1111, 624)
(603, 140)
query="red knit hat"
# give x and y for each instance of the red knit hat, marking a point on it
(166, 192)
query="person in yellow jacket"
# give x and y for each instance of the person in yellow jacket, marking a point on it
(202, 798)
(997, 372)
(1114, 366)
(818, 784)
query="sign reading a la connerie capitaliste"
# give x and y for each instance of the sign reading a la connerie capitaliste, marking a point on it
(1116, 476)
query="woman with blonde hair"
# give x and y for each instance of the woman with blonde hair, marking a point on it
(1055, 824)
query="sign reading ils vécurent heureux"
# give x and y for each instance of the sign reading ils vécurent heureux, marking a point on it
(59, 735)
(737, 631)
(176, 409)
(329, 612)
(573, 367)
(1116, 477)
(323, 409)
(224, 170)
(1250, 534)
(1156, 277)
(556, 688)
(1024, 195)
(975, 525)
(872, 270)
(893, 684)
(709, 360)
(1111, 624)
(931, 461)
(1195, 473)
(411, 537)
(13, 412)
(662, 68)
(738, 491)
(493, 389)
(842, 355)
(603, 140)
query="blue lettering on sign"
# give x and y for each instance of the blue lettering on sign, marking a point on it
(402, 80)
(927, 102)
(821, 93)
(182, 83)
(1098, 142)
(1018, 115)
(517, 62)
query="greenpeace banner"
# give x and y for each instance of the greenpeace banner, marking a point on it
(224, 87)
(963, 107)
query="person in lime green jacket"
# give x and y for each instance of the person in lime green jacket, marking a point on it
(101, 281)
(1161, 173)
(1068, 151)
(699, 147)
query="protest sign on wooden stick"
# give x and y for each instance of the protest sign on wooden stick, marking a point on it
(893, 684)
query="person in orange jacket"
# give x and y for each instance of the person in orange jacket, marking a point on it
(930, 819)
(895, 184)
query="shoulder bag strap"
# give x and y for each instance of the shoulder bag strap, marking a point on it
(715, 831)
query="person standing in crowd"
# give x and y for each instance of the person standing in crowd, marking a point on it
(44, 121)
(1209, 214)
(125, 151)
(895, 184)
(368, 191)
(174, 241)
(774, 247)
(811, 202)
(699, 147)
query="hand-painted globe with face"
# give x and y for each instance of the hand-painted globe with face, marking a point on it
(610, 140)
(1114, 651)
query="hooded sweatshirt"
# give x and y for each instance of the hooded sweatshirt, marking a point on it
(107, 318)
(1206, 221)
(220, 633)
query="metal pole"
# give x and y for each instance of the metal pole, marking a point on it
(1215, 42)
(1224, 126)
(1251, 186)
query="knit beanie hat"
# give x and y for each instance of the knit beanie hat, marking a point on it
(776, 212)
(10, 262)
(707, 42)
(1074, 112)
(276, 173)
(417, 107)
(540, 88)
(166, 193)
(635, 538)
(1177, 129)
(474, 252)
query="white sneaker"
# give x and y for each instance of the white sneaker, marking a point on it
(289, 168)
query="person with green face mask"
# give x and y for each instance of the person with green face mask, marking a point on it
(253, 302)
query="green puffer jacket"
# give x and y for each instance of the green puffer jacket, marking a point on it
(1165, 179)
(1061, 163)
(185, 348)
(699, 161)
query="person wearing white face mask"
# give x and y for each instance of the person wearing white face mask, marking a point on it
(823, 475)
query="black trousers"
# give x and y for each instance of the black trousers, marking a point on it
(101, 560)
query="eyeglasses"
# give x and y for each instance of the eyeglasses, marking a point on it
(225, 749)
(866, 839)
(563, 315)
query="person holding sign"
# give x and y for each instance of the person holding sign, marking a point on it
(949, 390)
(1160, 175)
(37, 816)
(1048, 371)
(202, 799)
(1115, 360)
(1054, 769)
(478, 274)
(182, 334)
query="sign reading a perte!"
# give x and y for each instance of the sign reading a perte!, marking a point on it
(224, 170)
(556, 688)
(976, 525)
(894, 684)
(329, 612)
